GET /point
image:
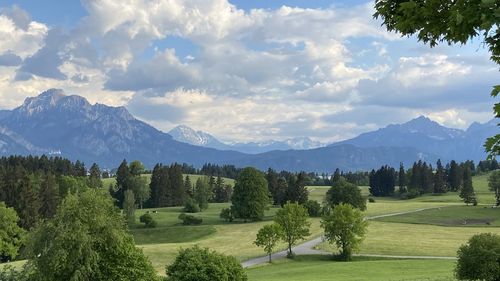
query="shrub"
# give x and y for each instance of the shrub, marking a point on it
(191, 206)
(226, 214)
(479, 258)
(148, 221)
(190, 219)
(313, 208)
(200, 264)
(371, 199)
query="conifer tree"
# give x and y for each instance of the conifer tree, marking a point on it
(439, 178)
(95, 176)
(402, 178)
(455, 176)
(467, 191)
(49, 196)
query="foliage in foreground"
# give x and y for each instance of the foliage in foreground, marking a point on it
(11, 235)
(201, 264)
(87, 240)
(479, 259)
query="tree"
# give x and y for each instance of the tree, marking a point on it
(226, 214)
(439, 178)
(11, 235)
(95, 176)
(201, 264)
(49, 196)
(296, 190)
(450, 21)
(293, 220)
(140, 188)
(86, 240)
(479, 259)
(136, 168)
(222, 192)
(345, 227)
(382, 181)
(402, 178)
(347, 193)
(268, 237)
(455, 176)
(467, 191)
(122, 181)
(494, 184)
(202, 193)
(251, 196)
(188, 186)
(313, 208)
(129, 207)
(28, 203)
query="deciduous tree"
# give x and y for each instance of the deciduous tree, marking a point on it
(345, 227)
(293, 220)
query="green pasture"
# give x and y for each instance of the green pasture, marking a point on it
(323, 268)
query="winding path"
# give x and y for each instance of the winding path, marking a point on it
(307, 248)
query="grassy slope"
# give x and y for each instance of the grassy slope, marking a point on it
(321, 268)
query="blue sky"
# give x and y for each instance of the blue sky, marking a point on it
(241, 70)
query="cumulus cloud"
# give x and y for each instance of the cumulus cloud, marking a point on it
(328, 73)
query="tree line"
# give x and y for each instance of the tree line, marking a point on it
(423, 178)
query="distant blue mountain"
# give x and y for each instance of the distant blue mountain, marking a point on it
(54, 123)
(428, 136)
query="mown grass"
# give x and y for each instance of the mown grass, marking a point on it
(387, 238)
(322, 268)
(461, 215)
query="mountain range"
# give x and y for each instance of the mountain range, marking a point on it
(54, 123)
(186, 134)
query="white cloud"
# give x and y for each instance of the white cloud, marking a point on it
(265, 73)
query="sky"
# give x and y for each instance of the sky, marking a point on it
(241, 70)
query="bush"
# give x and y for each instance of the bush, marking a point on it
(148, 221)
(191, 206)
(479, 259)
(189, 219)
(313, 208)
(371, 199)
(226, 214)
(200, 264)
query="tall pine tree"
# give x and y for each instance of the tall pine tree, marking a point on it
(467, 191)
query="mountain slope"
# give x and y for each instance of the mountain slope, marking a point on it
(185, 134)
(99, 133)
(427, 135)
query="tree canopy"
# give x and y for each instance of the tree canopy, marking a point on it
(479, 259)
(345, 192)
(345, 227)
(201, 264)
(11, 235)
(86, 240)
(251, 196)
(293, 220)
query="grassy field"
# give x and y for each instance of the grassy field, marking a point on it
(322, 268)
(414, 239)
(162, 243)
(460, 215)
(436, 232)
